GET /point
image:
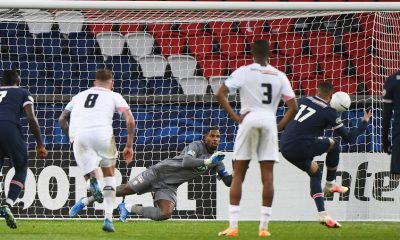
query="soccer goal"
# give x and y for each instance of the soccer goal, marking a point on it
(168, 58)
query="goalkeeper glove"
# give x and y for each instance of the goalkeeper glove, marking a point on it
(214, 159)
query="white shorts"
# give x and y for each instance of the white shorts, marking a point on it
(257, 138)
(93, 149)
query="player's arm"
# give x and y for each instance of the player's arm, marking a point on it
(387, 115)
(351, 136)
(289, 115)
(223, 175)
(130, 126)
(190, 159)
(34, 127)
(63, 120)
(287, 95)
(223, 101)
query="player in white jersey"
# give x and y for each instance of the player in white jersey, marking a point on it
(261, 87)
(87, 121)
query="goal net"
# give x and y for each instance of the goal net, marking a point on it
(168, 64)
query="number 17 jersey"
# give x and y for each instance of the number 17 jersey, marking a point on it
(261, 88)
(93, 109)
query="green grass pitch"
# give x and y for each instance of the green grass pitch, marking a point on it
(56, 229)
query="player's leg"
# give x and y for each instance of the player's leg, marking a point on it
(17, 151)
(235, 194)
(140, 184)
(267, 179)
(242, 154)
(395, 160)
(164, 204)
(87, 160)
(331, 162)
(267, 152)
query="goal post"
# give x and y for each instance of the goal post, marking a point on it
(168, 58)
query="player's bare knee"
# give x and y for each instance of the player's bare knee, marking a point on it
(313, 168)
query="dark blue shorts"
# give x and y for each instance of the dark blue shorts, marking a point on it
(302, 153)
(395, 161)
(12, 145)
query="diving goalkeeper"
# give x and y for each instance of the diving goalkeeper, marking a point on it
(164, 178)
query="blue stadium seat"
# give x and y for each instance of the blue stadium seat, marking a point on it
(6, 64)
(51, 45)
(81, 45)
(88, 68)
(32, 69)
(9, 29)
(163, 86)
(21, 47)
(41, 86)
(70, 86)
(123, 67)
(62, 70)
(131, 86)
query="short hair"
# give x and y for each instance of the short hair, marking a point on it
(103, 75)
(10, 77)
(325, 88)
(260, 48)
(208, 130)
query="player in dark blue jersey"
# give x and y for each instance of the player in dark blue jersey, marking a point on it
(14, 101)
(391, 104)
(303, 139)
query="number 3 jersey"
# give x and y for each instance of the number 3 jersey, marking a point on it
(93, 109)
(261, 88)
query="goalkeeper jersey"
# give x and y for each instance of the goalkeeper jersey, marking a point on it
(171, 171)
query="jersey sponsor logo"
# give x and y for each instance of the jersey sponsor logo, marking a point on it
(200, 169)
(265, 71)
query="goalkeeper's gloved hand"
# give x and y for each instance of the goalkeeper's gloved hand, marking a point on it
(214, 159)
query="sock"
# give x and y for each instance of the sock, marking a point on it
(322, 215)
(332, 161)
(109, 196)
(265, 215)
(316, 190)
(234, 211)
(9, 202)
(88, 200)
(17, 184)
(150, 212)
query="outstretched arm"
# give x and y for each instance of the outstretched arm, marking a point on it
(34, 126)
(351, 136)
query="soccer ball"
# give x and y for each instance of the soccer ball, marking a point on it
(340, 101)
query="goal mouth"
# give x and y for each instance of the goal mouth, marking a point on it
(169, 64)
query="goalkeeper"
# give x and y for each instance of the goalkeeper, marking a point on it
(164, 178)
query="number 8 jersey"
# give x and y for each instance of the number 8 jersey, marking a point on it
(93, 109)
(261, 88)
